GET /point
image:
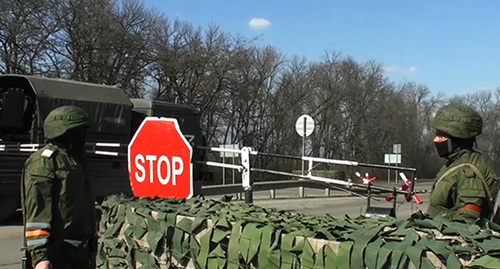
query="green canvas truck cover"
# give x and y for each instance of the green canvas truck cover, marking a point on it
(109, 108)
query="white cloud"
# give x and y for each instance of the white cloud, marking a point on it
(484, 88)
(391, 69)
(259, 23)
(412, 70)
(396, 70)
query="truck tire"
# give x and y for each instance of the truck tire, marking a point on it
(8, 206)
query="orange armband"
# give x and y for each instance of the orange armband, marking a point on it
(471, 208)
(36, 233)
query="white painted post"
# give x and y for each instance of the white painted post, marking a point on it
(246, 180)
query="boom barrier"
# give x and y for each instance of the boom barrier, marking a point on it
(306, 179)
(246, 171)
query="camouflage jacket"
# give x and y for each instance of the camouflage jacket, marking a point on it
(459, 192)
(58, 203)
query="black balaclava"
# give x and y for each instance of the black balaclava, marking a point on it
(452, 144)
(444, 149)
(73, 140)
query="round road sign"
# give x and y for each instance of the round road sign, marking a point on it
(304, 125)
(159, 160)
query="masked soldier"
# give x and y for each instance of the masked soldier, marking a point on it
(466, 185)
(57, 196)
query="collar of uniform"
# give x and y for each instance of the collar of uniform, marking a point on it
(456, 155)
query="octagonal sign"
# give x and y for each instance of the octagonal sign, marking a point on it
(159, 160)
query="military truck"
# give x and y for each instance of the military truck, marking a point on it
(25, 101)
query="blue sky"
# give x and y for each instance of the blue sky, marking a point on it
(452, 47)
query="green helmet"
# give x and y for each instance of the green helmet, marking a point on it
(458, 120)
(64, 118)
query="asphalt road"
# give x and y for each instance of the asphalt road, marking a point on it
(11, 243)
(338, 204)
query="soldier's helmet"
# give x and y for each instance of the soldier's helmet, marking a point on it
(458, 120)
(62, 119)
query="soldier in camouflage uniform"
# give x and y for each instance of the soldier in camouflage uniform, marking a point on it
(466, 184)
(58, 197)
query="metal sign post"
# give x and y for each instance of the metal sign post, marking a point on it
(304, 141)
(304, 127)
(394, 158)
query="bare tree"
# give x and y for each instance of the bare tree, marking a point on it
(105, 42)
(487, 106)
(25, 31)
(349, 98)
(414, 134)
(203, 69)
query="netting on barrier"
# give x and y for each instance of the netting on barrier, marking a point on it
(201, 233)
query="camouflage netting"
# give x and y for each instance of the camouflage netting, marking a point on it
(200, 233)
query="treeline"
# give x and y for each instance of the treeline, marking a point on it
(247, 94)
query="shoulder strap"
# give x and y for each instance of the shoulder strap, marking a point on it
(485, 185)
(476, 171)
(495, 217)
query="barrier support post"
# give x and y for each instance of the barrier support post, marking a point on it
(246, 179)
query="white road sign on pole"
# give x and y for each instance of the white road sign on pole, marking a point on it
(396, 148)
(392, 158)
(304, 125)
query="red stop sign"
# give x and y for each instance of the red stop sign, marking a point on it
(159, 160)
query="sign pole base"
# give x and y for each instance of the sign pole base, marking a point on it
(249, 196)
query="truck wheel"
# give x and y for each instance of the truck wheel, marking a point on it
(8, 204)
